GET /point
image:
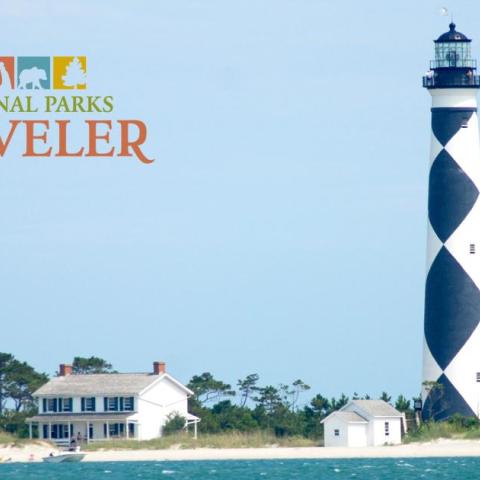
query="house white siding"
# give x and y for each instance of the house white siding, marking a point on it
(156, 404)
(382, 425)
(331, 426)
(155, 396)
(377, 435)
(357, 435)
(349, 435)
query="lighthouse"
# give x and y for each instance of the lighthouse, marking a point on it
(451, 359)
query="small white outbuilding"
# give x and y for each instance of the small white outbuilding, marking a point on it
(363, 423)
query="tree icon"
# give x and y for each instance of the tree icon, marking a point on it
(74, 74)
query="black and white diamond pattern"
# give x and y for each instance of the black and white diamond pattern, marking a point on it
(452, 296)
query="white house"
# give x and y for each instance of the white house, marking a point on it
(98, 407)
(363, 423)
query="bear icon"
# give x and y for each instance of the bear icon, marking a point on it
(32, 76)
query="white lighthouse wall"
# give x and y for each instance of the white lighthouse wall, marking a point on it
(464, 147)
(454, 97)
(463, 370)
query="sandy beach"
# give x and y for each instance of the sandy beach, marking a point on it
(440, 448)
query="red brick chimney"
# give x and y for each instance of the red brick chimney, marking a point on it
(159, 368)
(65, 370)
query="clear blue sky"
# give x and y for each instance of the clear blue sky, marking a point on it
(281, 229)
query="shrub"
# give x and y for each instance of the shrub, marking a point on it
(175, 423)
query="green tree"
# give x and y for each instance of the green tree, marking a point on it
(18, 381)
(385, 397)
(402, 404)
(299, 387)
(320, 406)
(233, 417)
(23, 381)
(175, 423)
(436, 401)
(338, 404)
(84, 365)
(208, 389)
(356, 396)
(6, 364)
(268, 398)
(313, 413)
(246, 387)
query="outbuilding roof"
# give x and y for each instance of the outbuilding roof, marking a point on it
(103, 384)
(376, 408)
(350, 417)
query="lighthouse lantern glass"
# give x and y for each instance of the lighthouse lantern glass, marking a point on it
(453, 54)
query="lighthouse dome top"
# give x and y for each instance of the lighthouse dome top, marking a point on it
(452, 36)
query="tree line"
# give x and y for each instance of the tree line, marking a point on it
(283, 409)
(18, 382)
(279, 409)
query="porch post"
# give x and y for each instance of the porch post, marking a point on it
(195, 430)
(30, 434)
(70, 432)
(88, 432)
(126, 429)
(49, 430)
(108, 429)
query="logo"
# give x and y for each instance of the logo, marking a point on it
(54, 86)
(43, 73)
(70, 73)
(33, 73)
(7, 73)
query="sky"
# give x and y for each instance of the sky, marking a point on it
(281, 228)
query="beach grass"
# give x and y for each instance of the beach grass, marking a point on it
(436, 430)
(12, 440)
(220, 440)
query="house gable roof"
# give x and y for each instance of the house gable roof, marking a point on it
(104, 384)
(347, 417)
(375, 408)
(166, 376)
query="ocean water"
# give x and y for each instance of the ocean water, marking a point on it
(364, 469)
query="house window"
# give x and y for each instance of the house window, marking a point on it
(53, 405)
(128, 404)
(67, 404)
(60, 431)
(118, 404)
(114, 429)
(88, 404)
(336, 432)
(50, 405)
(111, 404)
(387, 429)
(472, 249)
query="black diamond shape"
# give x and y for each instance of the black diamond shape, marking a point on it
(444, 401)
(452, 308)
(451, 195)
(446, 122)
